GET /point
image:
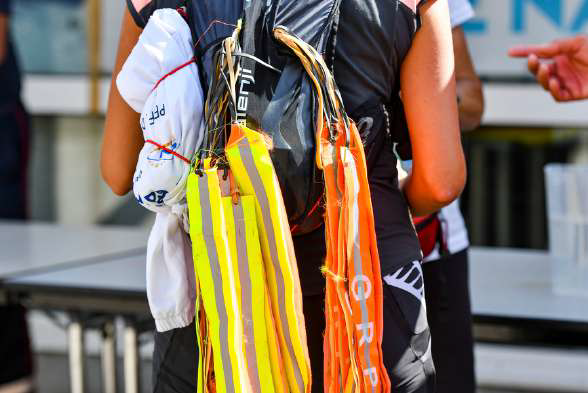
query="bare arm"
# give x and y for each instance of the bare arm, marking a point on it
(122, 140)
(3, 36)
(428, 92)
(469, 87)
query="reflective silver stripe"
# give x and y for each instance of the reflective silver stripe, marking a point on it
(246, 295)
(208, 232)
(260, 193)
(335, 170)
(357, 261)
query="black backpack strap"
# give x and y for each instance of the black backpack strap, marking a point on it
(332, 41)
(373, 121)
(373, 118)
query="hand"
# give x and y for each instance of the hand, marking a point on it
(565, 74)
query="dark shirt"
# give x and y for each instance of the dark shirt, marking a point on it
(9, 70)
(373, 38)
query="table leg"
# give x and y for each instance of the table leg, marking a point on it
(76, 356)
(131, 358)
(536, 207)
(108, 358)
(503, 196)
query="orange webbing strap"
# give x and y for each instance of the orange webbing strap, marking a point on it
(353, 301)
(205, 377)
(363, 263)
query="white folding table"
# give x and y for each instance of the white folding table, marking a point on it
(40, 250)
(546, 345)
(114, 288)
(515, 285)
(33, 247)
(510, 287)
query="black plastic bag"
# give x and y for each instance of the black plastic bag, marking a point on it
(276, 97)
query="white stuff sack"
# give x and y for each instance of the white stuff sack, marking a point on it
(160, 81)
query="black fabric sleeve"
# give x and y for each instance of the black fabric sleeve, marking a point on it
(136, 16)
(5, 7)
(418, 11)
(399, 129)
(141, 17)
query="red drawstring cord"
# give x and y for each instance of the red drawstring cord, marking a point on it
(173, 72)
(181, 157)
(209, 27)
(316, 205)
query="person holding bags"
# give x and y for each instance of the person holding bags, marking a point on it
(402, 46)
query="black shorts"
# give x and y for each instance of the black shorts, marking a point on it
(406, 340)
(450, 318)
(16, 361)
(14, 155)
(406, 345)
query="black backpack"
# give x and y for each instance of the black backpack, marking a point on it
(282, 104)
(275, 96)
(274, 92)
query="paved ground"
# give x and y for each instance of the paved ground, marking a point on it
(52, 376)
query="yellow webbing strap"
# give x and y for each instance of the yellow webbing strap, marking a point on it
(217, 281)
(254, 173)
(248, 337)
(248, 265)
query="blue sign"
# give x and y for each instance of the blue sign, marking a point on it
(553, 11)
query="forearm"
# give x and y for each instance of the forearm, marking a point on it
(469, 87)
(470, 104)
(416, 195)
(122, 139)
(429, 96)
(420, 199)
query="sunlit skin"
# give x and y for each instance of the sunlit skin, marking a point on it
(429, 95)
(560, 67)
(122, 140)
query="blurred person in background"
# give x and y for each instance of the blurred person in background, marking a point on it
(15, 354)
(446, 270)
(14, 135)
(560, 66)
